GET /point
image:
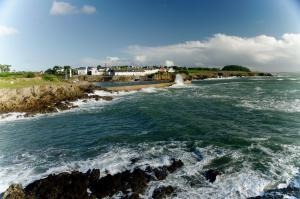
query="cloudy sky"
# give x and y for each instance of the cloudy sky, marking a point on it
(261, 34)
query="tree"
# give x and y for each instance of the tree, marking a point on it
(235, 68)
(4, 68)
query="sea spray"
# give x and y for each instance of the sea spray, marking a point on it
(179, 80)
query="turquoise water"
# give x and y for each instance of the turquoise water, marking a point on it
(248, 128)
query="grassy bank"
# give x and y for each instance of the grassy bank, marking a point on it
(10, 80)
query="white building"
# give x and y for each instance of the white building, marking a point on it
(135, 72)
(151, 71)
(82, 71)
(94, 71)
(129, 72)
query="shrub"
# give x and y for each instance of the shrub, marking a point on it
(235, 68)
(51, 78)
(30, 75)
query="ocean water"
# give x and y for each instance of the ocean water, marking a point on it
(247, 128)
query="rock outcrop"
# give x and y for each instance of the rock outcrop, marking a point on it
(162, 192)
(45, 99)
(89, 185)
(211, 175)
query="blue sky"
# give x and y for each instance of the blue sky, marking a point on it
(38, 34)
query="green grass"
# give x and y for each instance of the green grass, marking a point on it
(13, 75)
(26, 79)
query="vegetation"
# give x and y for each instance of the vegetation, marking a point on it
(235, 68)
(12, 75)
(4, 68)
(51, 78)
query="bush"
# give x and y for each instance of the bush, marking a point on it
(17, 74)
(235, 68)
(30, 75)
(51, 78)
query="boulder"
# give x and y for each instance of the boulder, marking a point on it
(65, 185)
(162, 192)
(13, 192)
(211, 175)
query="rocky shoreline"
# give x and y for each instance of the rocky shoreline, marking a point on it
(129, 184)
(45, 99)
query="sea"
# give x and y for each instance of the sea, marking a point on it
(247, 128)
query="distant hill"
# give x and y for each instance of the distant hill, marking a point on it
(235, 68)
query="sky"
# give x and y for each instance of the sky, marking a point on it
(263, 35)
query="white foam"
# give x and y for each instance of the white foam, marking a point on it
(258, 88)
(149, 90)
(231, 184)
(11, 116)
(113, 94)
(291, 106)
(222, 78)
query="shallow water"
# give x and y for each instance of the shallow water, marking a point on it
(248, 128)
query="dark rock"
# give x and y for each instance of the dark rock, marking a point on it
(134, 160)
(176, 164)
(131, 196)
(64, 185)
(76, 184)
(162, 192)
(106, 98)
(211, 175)
(93, 176)
(160, 173)
(111, 184)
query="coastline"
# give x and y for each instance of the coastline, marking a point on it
(128, 184)
(138, 87)
(51, 98)
(261, 183)
(45, 98)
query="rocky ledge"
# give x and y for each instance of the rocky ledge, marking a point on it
(45, 99)
(76, 185)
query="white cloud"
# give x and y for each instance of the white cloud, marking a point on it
(262, 52)
(6, 31)
(62, 8)
(65, 8)
(141, 58)
(108, 61)
(112, 59)
(88, 9)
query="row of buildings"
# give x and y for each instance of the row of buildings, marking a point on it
(128, 71)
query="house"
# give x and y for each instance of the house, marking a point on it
(162, 70)
(94, 71)
(82, 71)
(151, 71)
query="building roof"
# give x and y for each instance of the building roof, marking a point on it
(130, 71)
(81, 68)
